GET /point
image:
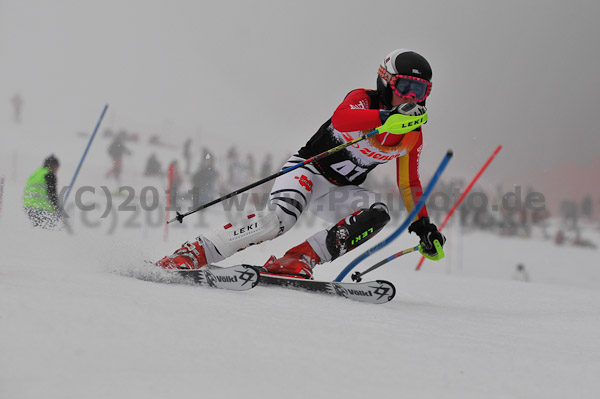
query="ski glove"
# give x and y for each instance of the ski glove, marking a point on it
(408, 109)
(432, 240)
(402, 119)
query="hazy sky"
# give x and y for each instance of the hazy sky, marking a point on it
(520, 73)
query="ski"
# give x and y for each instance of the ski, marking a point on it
(236, 278)
(379, 291)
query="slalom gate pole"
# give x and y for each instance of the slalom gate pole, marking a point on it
(62, 206)
(464, 195)
(180, 216)
(411, 216)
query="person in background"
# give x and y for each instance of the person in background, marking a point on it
(153, 166)
(116, 151)
(204, 183)
(187, 155)
(40, 201)
(521, 274)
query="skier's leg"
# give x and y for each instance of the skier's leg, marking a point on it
(290, 195)
(367, 216)
(223, 242)
(293, 192)
(349, 232)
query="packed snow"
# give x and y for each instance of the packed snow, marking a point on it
(76, 324)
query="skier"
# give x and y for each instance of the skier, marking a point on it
(40, 200)
(331, 187)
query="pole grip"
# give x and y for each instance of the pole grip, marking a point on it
(463, 196)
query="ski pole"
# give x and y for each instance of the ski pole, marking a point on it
(395, 124)
(180, 216)
(62, 207)
(357, 276)
(463, 195)
(411, 216)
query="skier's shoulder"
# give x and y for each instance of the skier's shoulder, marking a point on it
(361, 99)
(359, 93)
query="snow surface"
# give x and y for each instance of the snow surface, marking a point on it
(74, 324)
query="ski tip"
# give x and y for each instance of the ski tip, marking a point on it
(449, 153)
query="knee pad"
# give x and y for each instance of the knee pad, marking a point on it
(250, 230)
(355, 229)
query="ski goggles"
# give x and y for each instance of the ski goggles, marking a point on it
(407, 86)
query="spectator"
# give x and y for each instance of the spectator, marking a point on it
(153, 166)
(521, 274)
(187, 154)
(40, 200)
(116, 151)
(204, 181)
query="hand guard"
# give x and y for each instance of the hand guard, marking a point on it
(402, 119)
(408, 109)
(432, 240)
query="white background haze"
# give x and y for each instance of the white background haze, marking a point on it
(265, 75)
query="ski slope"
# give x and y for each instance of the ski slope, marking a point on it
(75, 324)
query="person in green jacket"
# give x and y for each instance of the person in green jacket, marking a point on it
(41, 200)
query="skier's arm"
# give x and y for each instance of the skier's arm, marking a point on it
(354, 113)
(407, 178)
(431, 240)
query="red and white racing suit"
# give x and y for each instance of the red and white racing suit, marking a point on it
(330, 187)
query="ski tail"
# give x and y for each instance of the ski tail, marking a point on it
(236, 278)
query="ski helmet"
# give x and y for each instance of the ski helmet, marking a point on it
(51, 161)
(401, 62)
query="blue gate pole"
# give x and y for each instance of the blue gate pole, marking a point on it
(411, 216)
(62, 206)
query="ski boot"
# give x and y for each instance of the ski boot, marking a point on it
(190, 256)
(298, 262)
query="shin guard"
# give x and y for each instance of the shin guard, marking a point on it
(355, 229)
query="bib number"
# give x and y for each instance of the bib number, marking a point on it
(348, 169)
